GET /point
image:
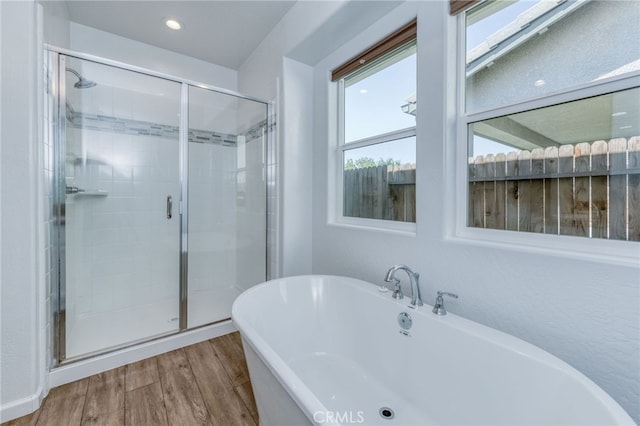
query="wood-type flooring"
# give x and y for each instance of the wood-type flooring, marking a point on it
(202, 384)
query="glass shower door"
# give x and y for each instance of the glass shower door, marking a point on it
(121, 218)
(227, 202)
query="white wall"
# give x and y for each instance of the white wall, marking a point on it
(55, 23)
(268, 74)
(280, 70)
(25, 176)
(110, 46)
(22, 304)
(583, 311)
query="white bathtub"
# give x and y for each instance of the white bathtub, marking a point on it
(329, 350)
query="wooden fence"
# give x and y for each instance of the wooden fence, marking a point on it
(382, 192)
(590, 189)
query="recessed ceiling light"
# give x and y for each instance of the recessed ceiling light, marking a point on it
(364, 91)
(539, 83)
(625, 127)
(173, 24)
(618, 114)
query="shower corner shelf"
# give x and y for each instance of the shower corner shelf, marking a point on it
(94, 193)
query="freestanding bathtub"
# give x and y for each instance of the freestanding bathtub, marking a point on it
(330, 350)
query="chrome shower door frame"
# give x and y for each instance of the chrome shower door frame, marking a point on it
(57, 89)
(56, 85)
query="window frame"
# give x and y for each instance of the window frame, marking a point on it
(594, 249)
(337, 217)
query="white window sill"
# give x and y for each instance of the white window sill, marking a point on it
(622, 253)
(376, 225)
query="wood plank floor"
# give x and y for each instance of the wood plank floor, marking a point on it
(203, 384)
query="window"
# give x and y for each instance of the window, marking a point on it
(377, 130)
(552, 116)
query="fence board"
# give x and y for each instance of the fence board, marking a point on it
(490, 192)
(365, 205)
(361, 202)
(588, 189)
(381, 192)
(476, 202)
(634, 189)
(551, 191)
(536, 194)
(524, 191)
(398, 197)
(382, 199)
(512, 193)
(581, 187)
(471, 172)
(617, 189)
(347, 198)
(403, 202)
(501, 191)
(381, 196)
(412, 205)
(565, 190)
(599, 191)
(402, 192)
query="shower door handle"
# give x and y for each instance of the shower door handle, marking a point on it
(169, 207)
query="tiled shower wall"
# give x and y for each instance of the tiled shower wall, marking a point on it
(122, 251)
(251, 231)
(273, 257)
(212, 219)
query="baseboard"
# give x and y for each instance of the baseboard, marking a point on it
(85, 368)
(22, 407)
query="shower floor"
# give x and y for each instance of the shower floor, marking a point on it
(91, 333)
(210, 305)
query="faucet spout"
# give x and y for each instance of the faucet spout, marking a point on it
(414, 278)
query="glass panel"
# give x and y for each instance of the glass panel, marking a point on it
(380, 181)
(227, 202)
(381, 98)
(525, 49)
(121, 165)
(568, 169)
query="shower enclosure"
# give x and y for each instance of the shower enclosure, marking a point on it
(159, 200)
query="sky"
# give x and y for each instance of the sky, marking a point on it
(479, 31)
(373, 105)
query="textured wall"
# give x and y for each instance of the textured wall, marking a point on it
(583, 308)
(598, 26)
(21, 330)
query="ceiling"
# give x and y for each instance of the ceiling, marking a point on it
(222, 32)
(604, 117)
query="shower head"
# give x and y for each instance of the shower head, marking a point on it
(82, 82)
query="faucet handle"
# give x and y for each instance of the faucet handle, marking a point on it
(438, 307)
(446, 293)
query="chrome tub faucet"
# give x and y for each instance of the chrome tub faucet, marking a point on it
(414, 277)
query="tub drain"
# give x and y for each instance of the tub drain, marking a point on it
(386, 413)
